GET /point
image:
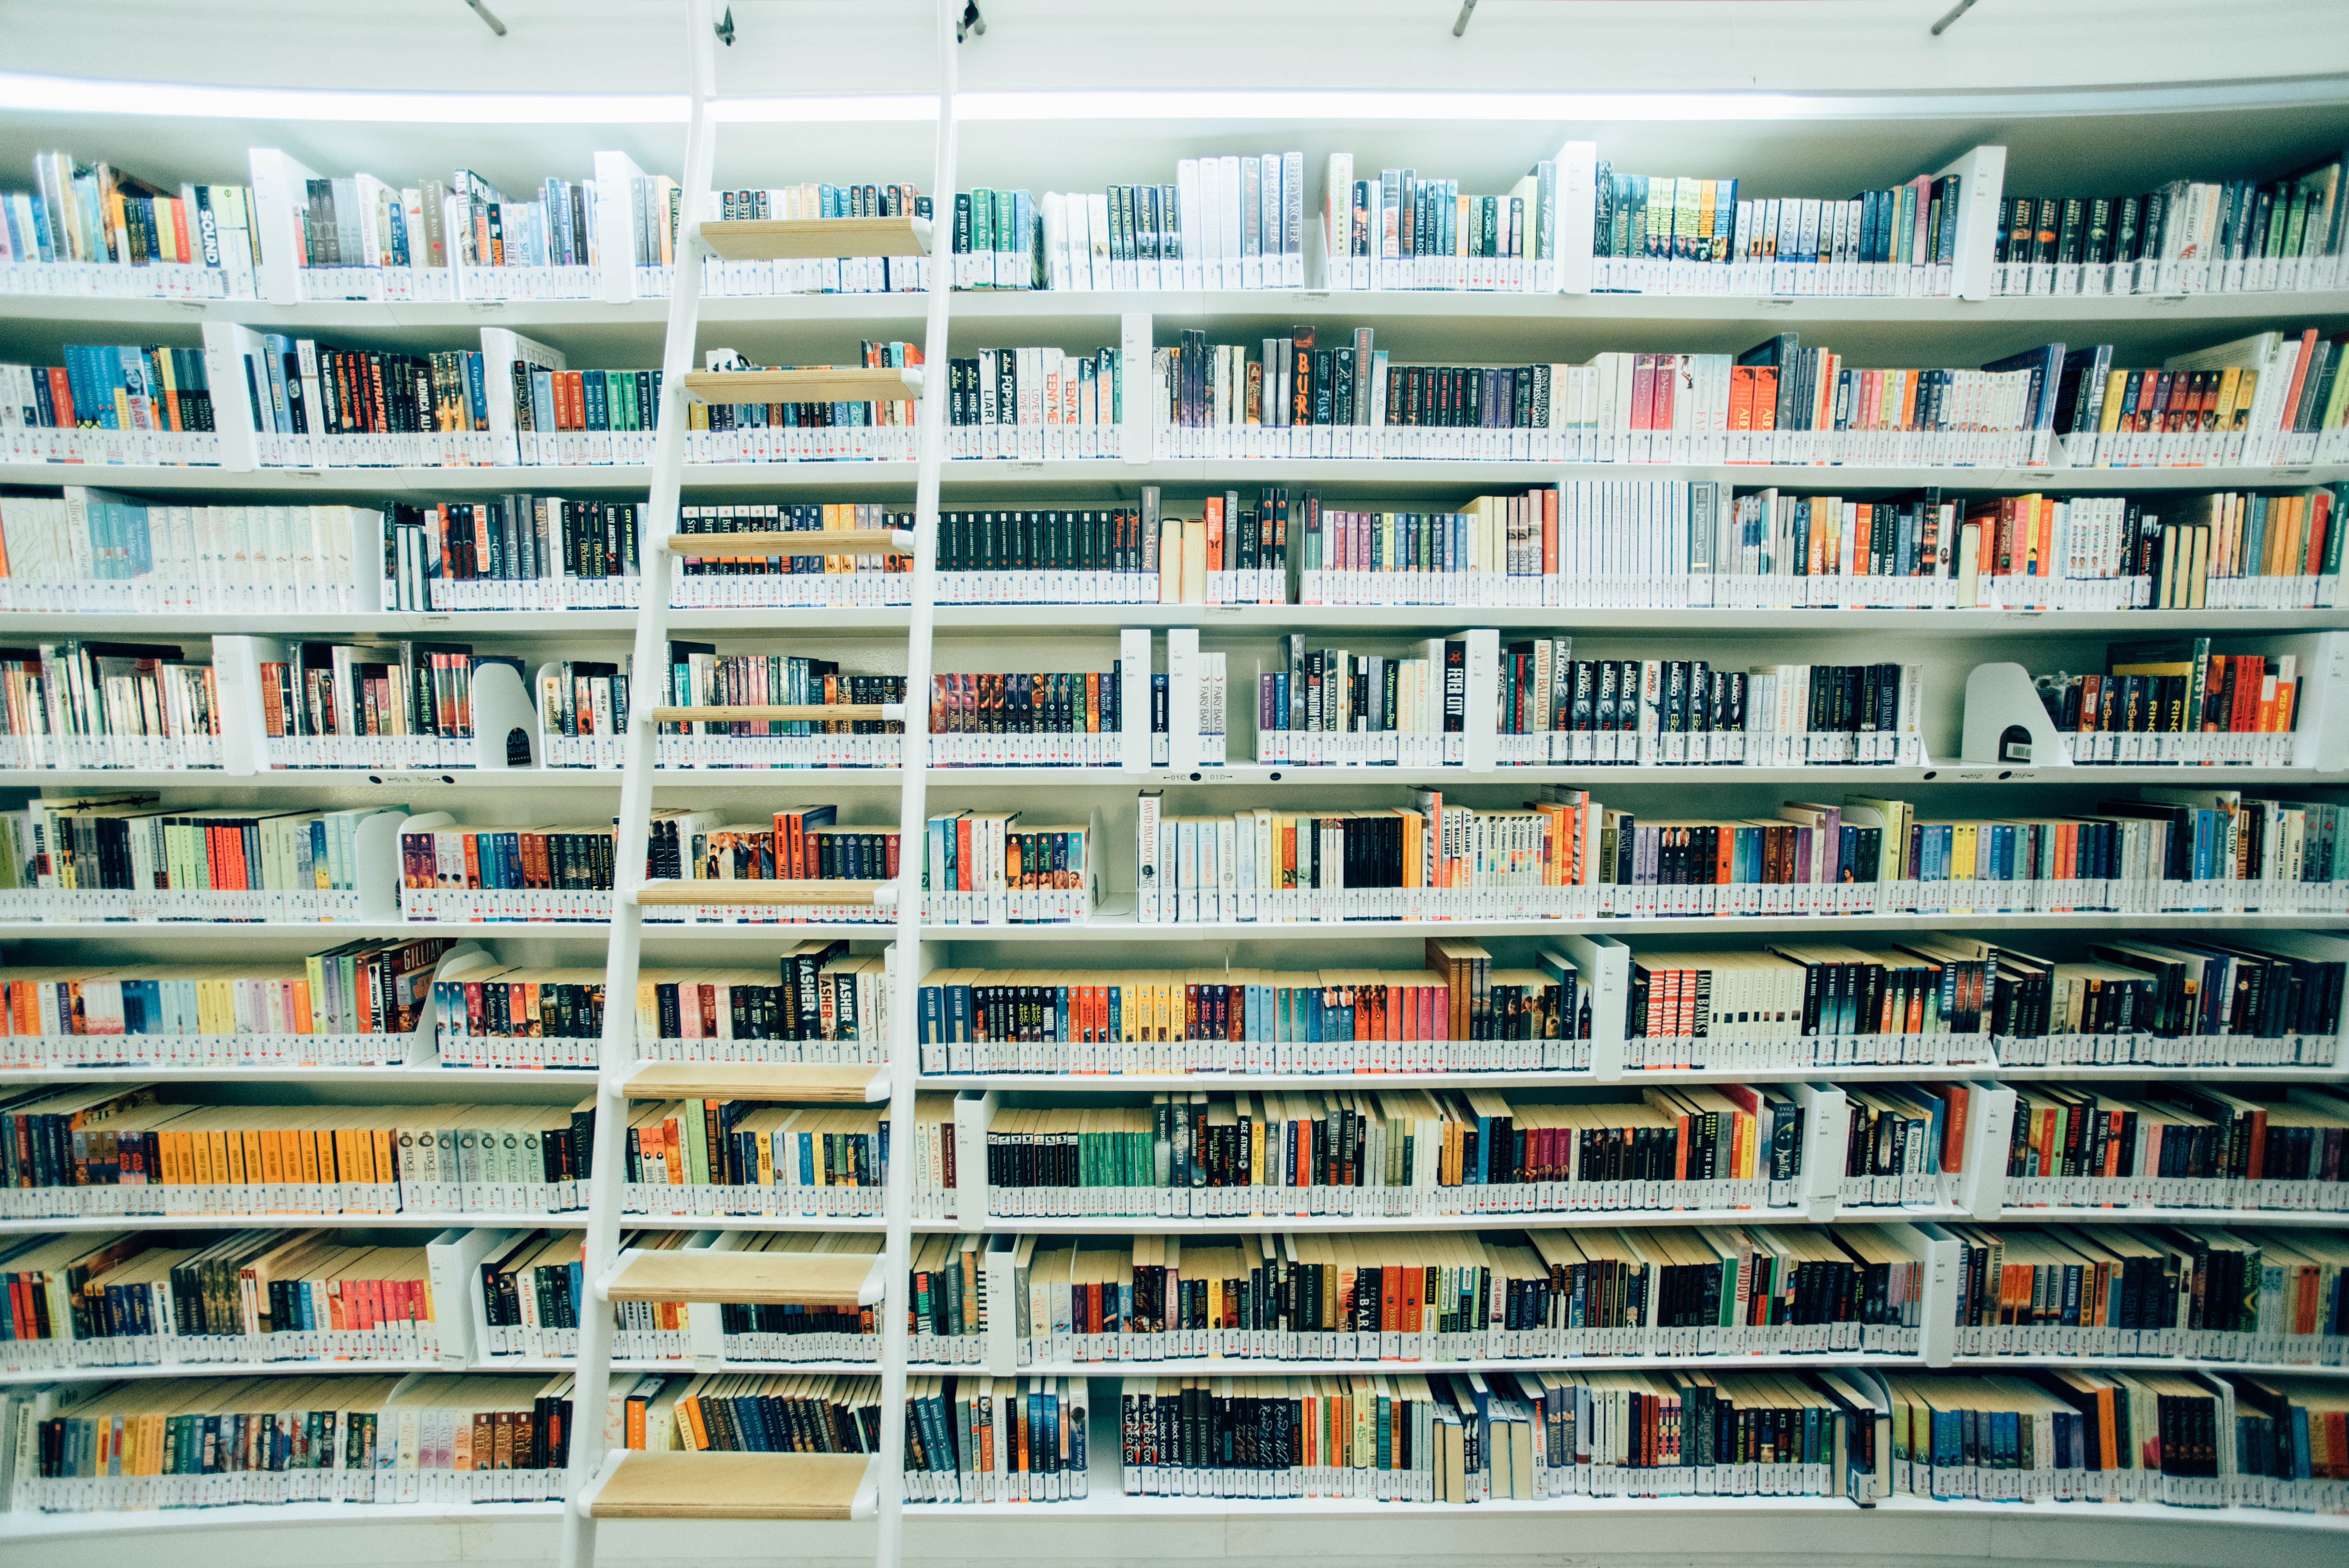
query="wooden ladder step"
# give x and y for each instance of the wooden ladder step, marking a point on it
(790, 1082)
(816, 238)
(802, 712)
(641, 1485)
(832, 541)
(814, 384)
(763, 1279)
(669, 891)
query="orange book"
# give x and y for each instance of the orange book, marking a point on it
(1765, 397)
(1214, 511)
(1740, 398)
(1550, 533)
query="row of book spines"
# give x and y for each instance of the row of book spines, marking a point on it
(110, 388)
(296, 387)
(356, 997)
(1805, 396)
(2234, 703)
(194, 228)
(2250, 221)
(1669, 218)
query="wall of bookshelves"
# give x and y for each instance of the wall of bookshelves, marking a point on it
(235, 547)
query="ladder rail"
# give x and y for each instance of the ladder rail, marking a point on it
(592, 1367)
(898, 1197)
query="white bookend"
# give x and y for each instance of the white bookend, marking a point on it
(1133, 376)
(974, 1110)
(450, 1262)
(1999, 698)
(1577, 184)
(229, 350)
(1604, 966)
(1134, 657)
(501, 349)
(501, 707)
(1981, 1185)
(1000, 1268)
(280, 192)
(1480, 723)
(1982, 180)
(1937, 1311)
(616, 229)
(1826, 1128)
(1183, 673)
(237, 672)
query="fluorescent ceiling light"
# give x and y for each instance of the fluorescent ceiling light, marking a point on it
(825, 110)
(77, 95)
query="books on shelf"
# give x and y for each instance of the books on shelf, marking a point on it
(533, 1289)
(1022, 720)
(1405, 229)
(1797, 1004)
(1236, 221)
(2236, 550)
(825, 580)
(740, 1157)
(1032, 404)
(700, 677)
(518, 552)
(2189, 1292)
(2185, 237)
(1775, 403)
(94, 551)
(112, 404)
(97, 232)
(723, 277)
(157, 1160)
(471, 872)
(1106, 555)
(1498, 550)
(2269, 399)
(352, 236)
(2183, 1003)
(126, 858)
(776, 430)
(1904, 1144)
(2179, 702)
(79, 705)
(1450, 1295)
(997, 868)
(154, 1299)
(358, 1005)
(542, 248)
(1688, 235)
(1337, 1022)
(1666, 712)
(1396, 1153)
(823, 1006)
(1330, 707)
(2185, 1147)
(314, 406)
(1476, 1438)
(402, 705)
(109, 1448)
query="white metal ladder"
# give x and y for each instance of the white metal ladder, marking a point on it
(762, 1486)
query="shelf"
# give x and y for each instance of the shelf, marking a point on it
(1247, 775)
(767, 1485)
(1111, 477)
(1094, 619)
(1210, 307)
(1112, 925)
(1814, 1530)
(1213, 1224)
(559, 1083)
(1196, 1366)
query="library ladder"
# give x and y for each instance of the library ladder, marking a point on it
(648, 1485)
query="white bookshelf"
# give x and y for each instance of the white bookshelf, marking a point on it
(1807, 137)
